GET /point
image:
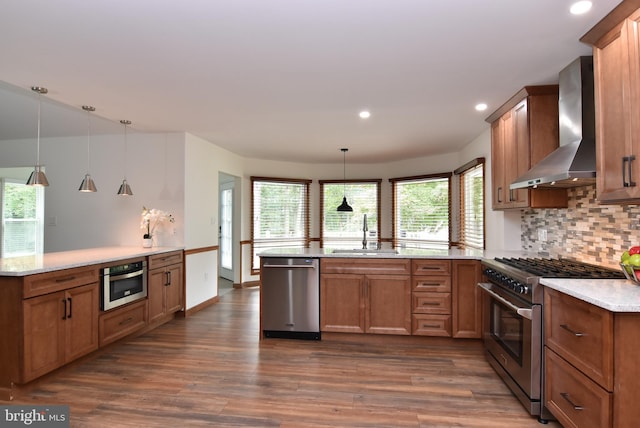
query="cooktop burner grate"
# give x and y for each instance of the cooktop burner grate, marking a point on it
(561, 268)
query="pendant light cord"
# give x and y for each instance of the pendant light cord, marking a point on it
(38, 140)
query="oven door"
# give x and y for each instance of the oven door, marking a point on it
(512, 337)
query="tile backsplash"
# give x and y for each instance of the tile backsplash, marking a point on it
(584, 231)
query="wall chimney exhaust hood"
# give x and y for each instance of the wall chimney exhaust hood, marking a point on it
(573, 163)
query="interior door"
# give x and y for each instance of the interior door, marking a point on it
(225, 239)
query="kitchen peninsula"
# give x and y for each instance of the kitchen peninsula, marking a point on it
(52, 308)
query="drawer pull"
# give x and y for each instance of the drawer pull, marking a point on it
(126, 321)
(429, 268)
(570, 330)
(430, 326)
(565, 395)
(66, 279)
(430, 304)
(428, 283)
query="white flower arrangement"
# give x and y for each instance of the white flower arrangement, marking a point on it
(151, 218)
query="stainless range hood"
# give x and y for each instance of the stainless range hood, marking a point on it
(573, 163)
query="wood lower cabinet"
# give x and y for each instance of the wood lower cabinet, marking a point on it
(121, 322)
(165, 285)
(365, 296)
(431, 297)
(591, 366)
(467, 301)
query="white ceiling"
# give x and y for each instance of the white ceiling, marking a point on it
(285, 79)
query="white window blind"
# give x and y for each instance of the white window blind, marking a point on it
(345, 229)
(472, 207)
(280, 215)
(22, 219)
(421, 207)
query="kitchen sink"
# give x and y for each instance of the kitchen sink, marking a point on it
(368, 252)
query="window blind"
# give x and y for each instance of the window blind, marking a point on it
(472, 207)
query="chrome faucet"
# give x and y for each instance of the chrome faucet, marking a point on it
(365, 228)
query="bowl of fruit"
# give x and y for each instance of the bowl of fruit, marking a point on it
(630, 264)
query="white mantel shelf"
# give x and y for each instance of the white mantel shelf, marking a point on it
(48, 262)
(615, 295)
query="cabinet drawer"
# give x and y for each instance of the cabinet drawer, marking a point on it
(50, 282)
(437, 283)
(572, 397)
(431, 325)
(582, 334)
(122, 322)
(366, 266)
(164, 259)
(431, 303)
(431, 267)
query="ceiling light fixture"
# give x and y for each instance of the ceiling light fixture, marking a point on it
(364, 114)
(344, 206)
(87, 184)
(580, 7)
(37, 177)
(481, 107)
(125, 189)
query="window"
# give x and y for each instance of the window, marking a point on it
(22, 219)
(345, 229)
(421, 211)
(472, 204)
(279, 215)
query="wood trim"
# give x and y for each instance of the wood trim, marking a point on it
(467, 166)
(201, 306)
(201, 250)
(351, 180)
(611, 21)
(246, 242)
(281, 180)
(521, 95)
(249, 284)
(422, 177)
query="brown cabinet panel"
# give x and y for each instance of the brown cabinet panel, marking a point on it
(388, 309)
(49, 282)
(165, 286)
(467, 300)
(431, 303)
(435, 283)
(82, 322)
(365, 266)
(342, 303)
(431, 325)
(123, 321)
(431, 267)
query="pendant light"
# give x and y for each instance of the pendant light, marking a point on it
(125, 189)
(37, 177)
(344, 206)
(87, 184)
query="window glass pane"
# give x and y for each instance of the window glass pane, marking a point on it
(280, 216)
(422, 213)
(472, 207)
(22, 219)
(346, 229)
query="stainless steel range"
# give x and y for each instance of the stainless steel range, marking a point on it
(513, 315)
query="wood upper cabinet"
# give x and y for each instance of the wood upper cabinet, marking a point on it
(165, 285)
(467, 300)
(365, 296)
(523, 132)
(616, 55)
(58, 328)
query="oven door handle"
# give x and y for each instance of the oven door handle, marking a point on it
(126, 275)
(523, 312)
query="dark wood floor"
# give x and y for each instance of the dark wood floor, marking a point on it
(211, 370)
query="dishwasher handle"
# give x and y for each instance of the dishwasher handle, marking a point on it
(289, 266)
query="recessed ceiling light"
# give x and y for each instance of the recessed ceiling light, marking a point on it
(580, 7)
(481, 107)
(364, 114)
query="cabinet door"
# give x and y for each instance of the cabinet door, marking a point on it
(44, 334)
(174, 289)
(616, 82)
(156, 280)
(467, 303)
(81, 324)
(388, 309)
(342, 303)
(518, 160)
(497, 164)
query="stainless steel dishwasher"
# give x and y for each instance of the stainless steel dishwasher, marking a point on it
(290, 297)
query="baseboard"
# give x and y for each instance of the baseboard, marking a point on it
(201, 306)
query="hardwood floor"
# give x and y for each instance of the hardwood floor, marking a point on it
(211, 370)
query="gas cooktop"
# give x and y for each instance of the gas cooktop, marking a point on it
(561, 268)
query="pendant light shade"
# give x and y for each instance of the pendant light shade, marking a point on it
(344, 206)
(87, 184)
(125, 189)
(37, 177)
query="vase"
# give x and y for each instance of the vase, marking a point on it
(147, 243)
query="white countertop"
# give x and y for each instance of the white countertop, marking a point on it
(47, 262)
(615, 295)
(412, 253)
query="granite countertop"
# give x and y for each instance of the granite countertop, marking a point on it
(615, 295)
(411, 253)
(48, 262)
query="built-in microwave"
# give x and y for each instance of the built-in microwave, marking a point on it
(123, 283)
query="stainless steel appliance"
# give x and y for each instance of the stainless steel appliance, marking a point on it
(123, 283)
(290, 297)
(513, 320)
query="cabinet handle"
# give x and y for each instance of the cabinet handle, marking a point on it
(565, 395)
(64, 302)
(511, 198)
(66, 279)
(572, 331)
(499, 192)
(626, 162)
(631, 182)
(430, 304)
(70, 306)
(127, 321)
(430, 326)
